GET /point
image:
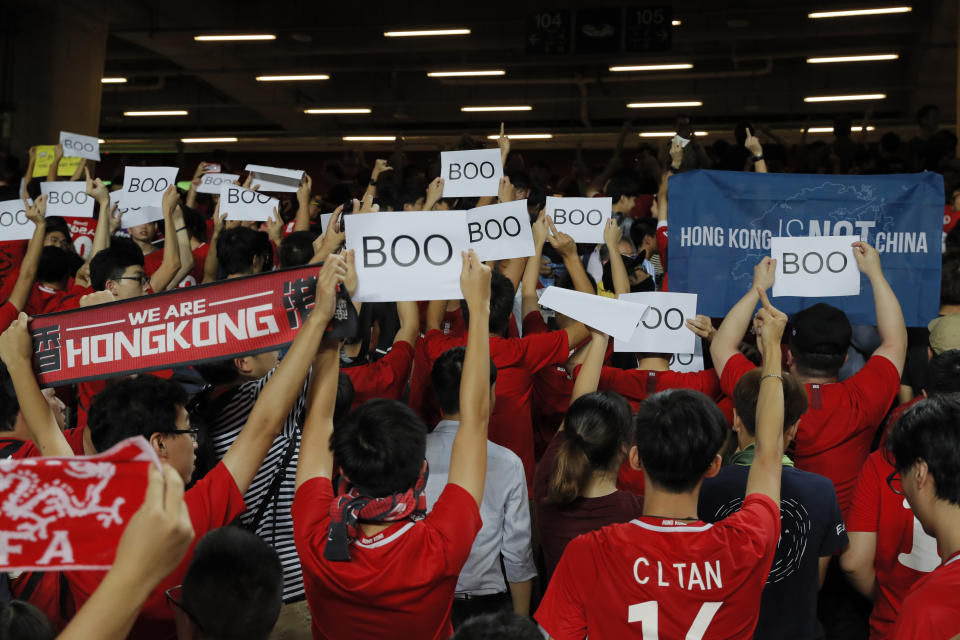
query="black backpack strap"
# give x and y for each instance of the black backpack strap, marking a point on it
(10, 447)
(271, 495)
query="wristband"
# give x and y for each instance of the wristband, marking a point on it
(771, 375)
(758, 158)
(181, 228)
(675, 168)
(373, 183)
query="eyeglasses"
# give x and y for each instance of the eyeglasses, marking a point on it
(173, 600)
(193, 431)
(895, 483)
(142, 278)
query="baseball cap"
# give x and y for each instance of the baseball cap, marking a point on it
(945, 333)
(821, 328)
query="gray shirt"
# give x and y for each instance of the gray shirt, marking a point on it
(505, 511)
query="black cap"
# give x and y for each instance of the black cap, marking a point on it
(820, 329)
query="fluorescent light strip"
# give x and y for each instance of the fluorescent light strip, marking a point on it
(427, 32)
(658, 105)
(329, 111)
(101, 141)
(174, 112)
(235, 37)
(525, 107)
(653, 67)
(113, 80)
(293, 78)
(193, 140)
(457, 74)
(862, 96)
(369, 138)
(676, 23)
(858, 12)
(830, 129)
(524, 136)
(863, 58)
(666, 134)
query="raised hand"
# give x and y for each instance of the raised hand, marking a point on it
(764, 274)
(38, 211)
(769, 323)
(97, 189)
(275, 227)
(612, 234)
(379, 167)
(170, 199)
(504, 143)
(540, 230)
(702, 326)
(97, 297)
(434, 193)
(333, 272)
(16, 345)
(676, 153)
(507, 192)
(752, 143)
(560, 241)
(350, 280)
(868, 259)
(305, 190)
(116, 218)
(475, 282)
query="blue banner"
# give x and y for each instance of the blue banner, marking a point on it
(721, 223)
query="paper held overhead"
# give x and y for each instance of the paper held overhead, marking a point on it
(274, 178)
(616, 318)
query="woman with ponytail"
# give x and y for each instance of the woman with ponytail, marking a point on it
(575, 486)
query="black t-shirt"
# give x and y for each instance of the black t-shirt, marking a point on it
(811, 528)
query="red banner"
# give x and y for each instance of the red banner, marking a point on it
(177, 328)
(69, 513)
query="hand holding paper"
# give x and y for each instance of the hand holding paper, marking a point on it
(815, 266)
(617, 318)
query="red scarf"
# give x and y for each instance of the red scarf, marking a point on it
(350, 506)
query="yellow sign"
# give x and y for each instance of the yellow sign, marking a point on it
(68, 166)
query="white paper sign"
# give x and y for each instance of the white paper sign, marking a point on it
(246, 204)
(408, 255)
(582, 219)
(663, 328)
(134, 216)
(212, 182)
(144, 186)
(500, 231)
(688, 362)
(78, 146)
(815, 266)
(275, 179)
(68, 199)
(325, 220)
(471, 173)
(616, 318)
(13, 221)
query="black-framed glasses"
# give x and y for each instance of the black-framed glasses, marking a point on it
(173, 600)
(895, 483)
(142, 278)
(193, 431)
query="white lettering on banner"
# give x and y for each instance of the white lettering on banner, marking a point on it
(582, 219)
(67, 199)
(212, 182)
(500, 231)
(14, 224)
(471, 173)
(246, 204)
(663, 328)
(408, 256)
(144, 186)
(80, 146)
(815, 266)
(58, 549)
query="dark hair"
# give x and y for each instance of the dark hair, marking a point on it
(131, 407)
(9, 404)
(380, 446)
(237, 247)
(218, 372)
(943, 373)
(110, 263)
(623, 184)
(501, 304)
(195, 223)
(233, 587)
(57, 223)
(345, 393)
(679, 432)
(55, 265)
(20, 620)
(595, 430)
(747, 391)
(930, 431)
(925, 110)
(503, 625)
(640, 228)
(446, 374)
(296, 249)
(950, 280)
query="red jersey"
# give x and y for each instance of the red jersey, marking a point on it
(517, 361)
(17, 448)
(422, 399)
(44, 299)
(552, 388)
(11, 255)
(932, 608)
(86, 391)
(195, 276)
(383, 378)
(152, 261)
(662, 250)
(8, 313)
(664, 579)
(636, 384)
(905, 553)
(836, 431)
(399, 583)
(213, 502)
(950, 218)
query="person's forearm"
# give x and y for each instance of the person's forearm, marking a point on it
(409, 317)
(760, 166)
(436, 309)
(890, 324)
(110, 612)
(301, 221)
(734, 326)
(578, 274)
(589, 377)
(41, 423)
(191, 199)
(186, 256)
(529, 301)
(520, 593)
(54, 168)
(101, 237)
(316, 459)
(862, 578)
(621, 282)
(171, 255)
(28, 267)
(769, 420)
(210, 264)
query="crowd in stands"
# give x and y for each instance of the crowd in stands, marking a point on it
(484, 468)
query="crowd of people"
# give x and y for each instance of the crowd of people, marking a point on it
(484, 468)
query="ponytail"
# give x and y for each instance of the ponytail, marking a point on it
(571, 471)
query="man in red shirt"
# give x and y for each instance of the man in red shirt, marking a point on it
(925, 447)
(667, 574)
(370, 569)
(386, 377)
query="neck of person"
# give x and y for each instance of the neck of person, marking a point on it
(658, 503)
(947, 309)
(452, 417)
(653, 364)
(145, 246)
(601, 483)
(805, 378)
(947, 529)
(352, 350)
(194, 243)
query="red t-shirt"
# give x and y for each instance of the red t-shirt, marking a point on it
(8, 313)
(662, 249)
(648, 575)
(836, 431)
(28, 449)
(213, 502)
(399, 583)
(422, 399)
(517, 360)
(636, 384)
(43, 299)
(932, 608)
(86, 391)
(384, 378)
(195, 276)
(950, 218)
(904, 553)
(552, 388)
(11, 255)
(152, 261)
